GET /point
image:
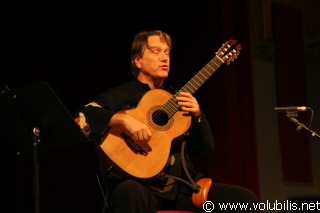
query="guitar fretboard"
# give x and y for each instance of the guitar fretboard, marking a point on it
(171, 106)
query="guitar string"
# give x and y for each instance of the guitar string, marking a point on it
(171, 106)
(193, 80)
(174, 107)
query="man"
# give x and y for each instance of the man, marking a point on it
(130, 130)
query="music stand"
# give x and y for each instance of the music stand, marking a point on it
(36, 120)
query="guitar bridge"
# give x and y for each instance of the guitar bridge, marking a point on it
(136, 148)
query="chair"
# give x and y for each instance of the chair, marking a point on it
(106, 210)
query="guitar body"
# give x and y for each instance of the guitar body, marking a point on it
(164, 131)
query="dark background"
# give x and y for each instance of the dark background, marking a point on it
(82, 48)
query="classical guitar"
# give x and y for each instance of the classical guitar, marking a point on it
(160, 111)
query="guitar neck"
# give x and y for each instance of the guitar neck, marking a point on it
(171, 107)
(202, 76)
(228, 52)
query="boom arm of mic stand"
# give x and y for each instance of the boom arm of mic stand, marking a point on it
(301, 125)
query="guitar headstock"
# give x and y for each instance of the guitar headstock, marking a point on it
(229, 51)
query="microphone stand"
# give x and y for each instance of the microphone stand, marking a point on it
(291, 116)
(14, 98)
(36, 140)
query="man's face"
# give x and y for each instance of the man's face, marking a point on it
(155, 61)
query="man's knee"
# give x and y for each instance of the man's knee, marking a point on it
(132, 195)
(128, 188)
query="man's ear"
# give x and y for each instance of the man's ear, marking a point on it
(136, 61)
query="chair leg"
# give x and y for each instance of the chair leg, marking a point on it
(104, 192)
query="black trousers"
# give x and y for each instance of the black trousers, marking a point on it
(131, 196)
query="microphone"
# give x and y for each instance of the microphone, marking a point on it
(292, 108)
(301, 125)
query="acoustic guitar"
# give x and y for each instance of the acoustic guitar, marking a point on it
(159, 110)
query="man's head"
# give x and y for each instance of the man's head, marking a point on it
(157, 44)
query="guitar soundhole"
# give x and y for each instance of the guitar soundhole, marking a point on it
(160, 117)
